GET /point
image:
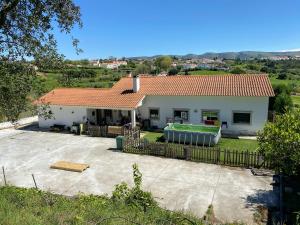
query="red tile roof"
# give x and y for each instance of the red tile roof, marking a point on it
(122, 96)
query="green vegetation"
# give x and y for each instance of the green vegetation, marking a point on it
(208, 72)
(193, 128)
(16, 81)
(153, 136)
(79, 77)
(224, 143)
(238, 144)
(276, 81)
(280, 142)
(296, 100)
(163, 63)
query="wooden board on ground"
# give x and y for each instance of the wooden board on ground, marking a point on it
(69, 166)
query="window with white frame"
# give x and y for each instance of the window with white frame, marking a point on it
(241, 117)
(210, 115)
(154, 114)
(181, 114)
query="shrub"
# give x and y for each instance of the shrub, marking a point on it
(279, 142)
(136, 196)
(238, 70)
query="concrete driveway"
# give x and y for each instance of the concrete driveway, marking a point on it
(176, 184)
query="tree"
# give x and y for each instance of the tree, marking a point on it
(173, 72)
(238, 70)
(26, 25)
(163, 62)
(282, 101)
(26, 32)
(282, 75)
(142, 69)
(280, 143)
(16, 81)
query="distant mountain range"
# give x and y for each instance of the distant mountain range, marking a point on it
(244, 55)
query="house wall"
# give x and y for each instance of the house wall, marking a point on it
(258, 106)
(64, 115)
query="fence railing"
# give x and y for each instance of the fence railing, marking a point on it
(213, 155)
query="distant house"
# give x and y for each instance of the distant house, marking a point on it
(113, 64)
(239, 102)
(188, 66)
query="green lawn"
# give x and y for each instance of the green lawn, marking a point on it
(238, 144)
(153, 136)
(224, 143)
(276, 81)
(208, 72)
(296, 99)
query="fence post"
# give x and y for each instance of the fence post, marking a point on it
(4, 177)
(34, 181)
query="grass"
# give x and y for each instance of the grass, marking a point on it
(276, 81)
(208, 72)
(238, 144)
(224, 143)
(296, 99)
(194, 128)
(31, 206)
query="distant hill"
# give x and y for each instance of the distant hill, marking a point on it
(244, 55)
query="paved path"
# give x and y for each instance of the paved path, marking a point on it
(176, 184)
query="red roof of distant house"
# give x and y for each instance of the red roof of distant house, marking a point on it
(122, 96)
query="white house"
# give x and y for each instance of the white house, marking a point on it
(238, 102)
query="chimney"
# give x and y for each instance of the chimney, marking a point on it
(136, 83)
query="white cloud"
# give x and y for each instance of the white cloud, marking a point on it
(290, 50)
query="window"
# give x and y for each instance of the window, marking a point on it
(241, 117)
(181, 114)
(154, 114)
(210, 115)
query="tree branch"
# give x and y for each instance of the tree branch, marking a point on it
(5, 10)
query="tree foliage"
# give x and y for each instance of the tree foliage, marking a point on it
(26, 26)
(142, 69)
(173, 71)
(238, 70)
(282, 101)
(280, 142)
(163, 62)
(26, 31)
(16, 81)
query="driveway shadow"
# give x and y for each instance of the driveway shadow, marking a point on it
(265, 202)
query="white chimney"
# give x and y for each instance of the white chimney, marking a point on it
(136, 83)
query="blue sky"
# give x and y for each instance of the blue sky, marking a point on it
(149, 27)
